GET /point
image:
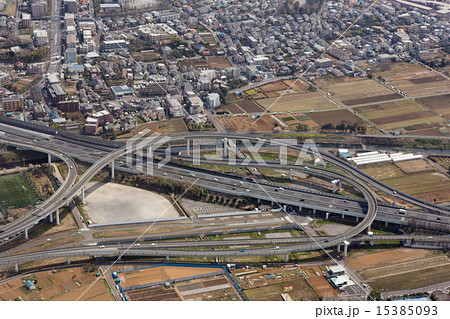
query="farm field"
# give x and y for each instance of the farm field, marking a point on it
(353, 92)
(297, 103)
(293, 121)
(321, 286)
(16, 191)
(244, 107)
(334, 117)
(245, 123)
(416, 178)
(394, 269)
(399, 114)
(414, 79)
(439, 103)
(67, 284)
(266, 293)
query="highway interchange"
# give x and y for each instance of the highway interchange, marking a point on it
(297, 199)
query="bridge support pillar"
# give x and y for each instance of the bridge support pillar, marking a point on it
(340, 185)
(82, 195)
(167, 258)
(112, 171)
(339, 248)
(50, 218)
(228, 259)
(369, 228)
(16, 267)
(395, 200)
(26, 232)
(188, 147)
(357, 219)
(346, 243)
(334, 187)
(68, 260)
(280, 154)
(327, 215)
(232, 169)
(225, 145)
(286, 258)
(57, 216)
(290, 173)
(342, 215)
(386, 224)
(49, 158)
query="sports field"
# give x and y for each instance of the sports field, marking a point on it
(16, 191)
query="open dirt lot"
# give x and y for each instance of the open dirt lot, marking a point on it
(113, 202)
(297, 103)
(155, 274)
(244, 123)
(321, 286)
(274, 86)
(334, 117)
(164, 127)
(297, 85)
(216, 62)
(298, 290)
(154, 294)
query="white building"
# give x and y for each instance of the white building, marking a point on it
(213, 100)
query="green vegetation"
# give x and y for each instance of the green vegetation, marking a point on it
(17, 191)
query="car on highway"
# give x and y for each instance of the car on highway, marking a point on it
(242, 250)
(102, 246)
(215, 179)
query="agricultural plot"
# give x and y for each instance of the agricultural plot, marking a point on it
(68, 284)
(297, 103)
(439, 103)
(354, 92)
(267, 293)
(416, 178)
(399, 114)
(414, 79)
(247, 124)
(176, 125)
(244, 107)
(16, 191)
(321, 286)
(298, 85)
(334, 117)
(402, 268)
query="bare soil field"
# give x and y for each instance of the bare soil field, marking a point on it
(416, 166)
(154, 294)
(274, 86)
(389, 170)
(353, 91)
(334, 117)
(297, 85)
(321, 286)
(245, 123)
(67, 284)
(267, 293)
(155, 274)
(233, 109)
(216, 62)
(297, 103)
(112, 202)
(414, 79)
(250, 107)
(372, 99)
(387, 257)
(164, 127)
(299, 290)
(440, 103)
(399, 114)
